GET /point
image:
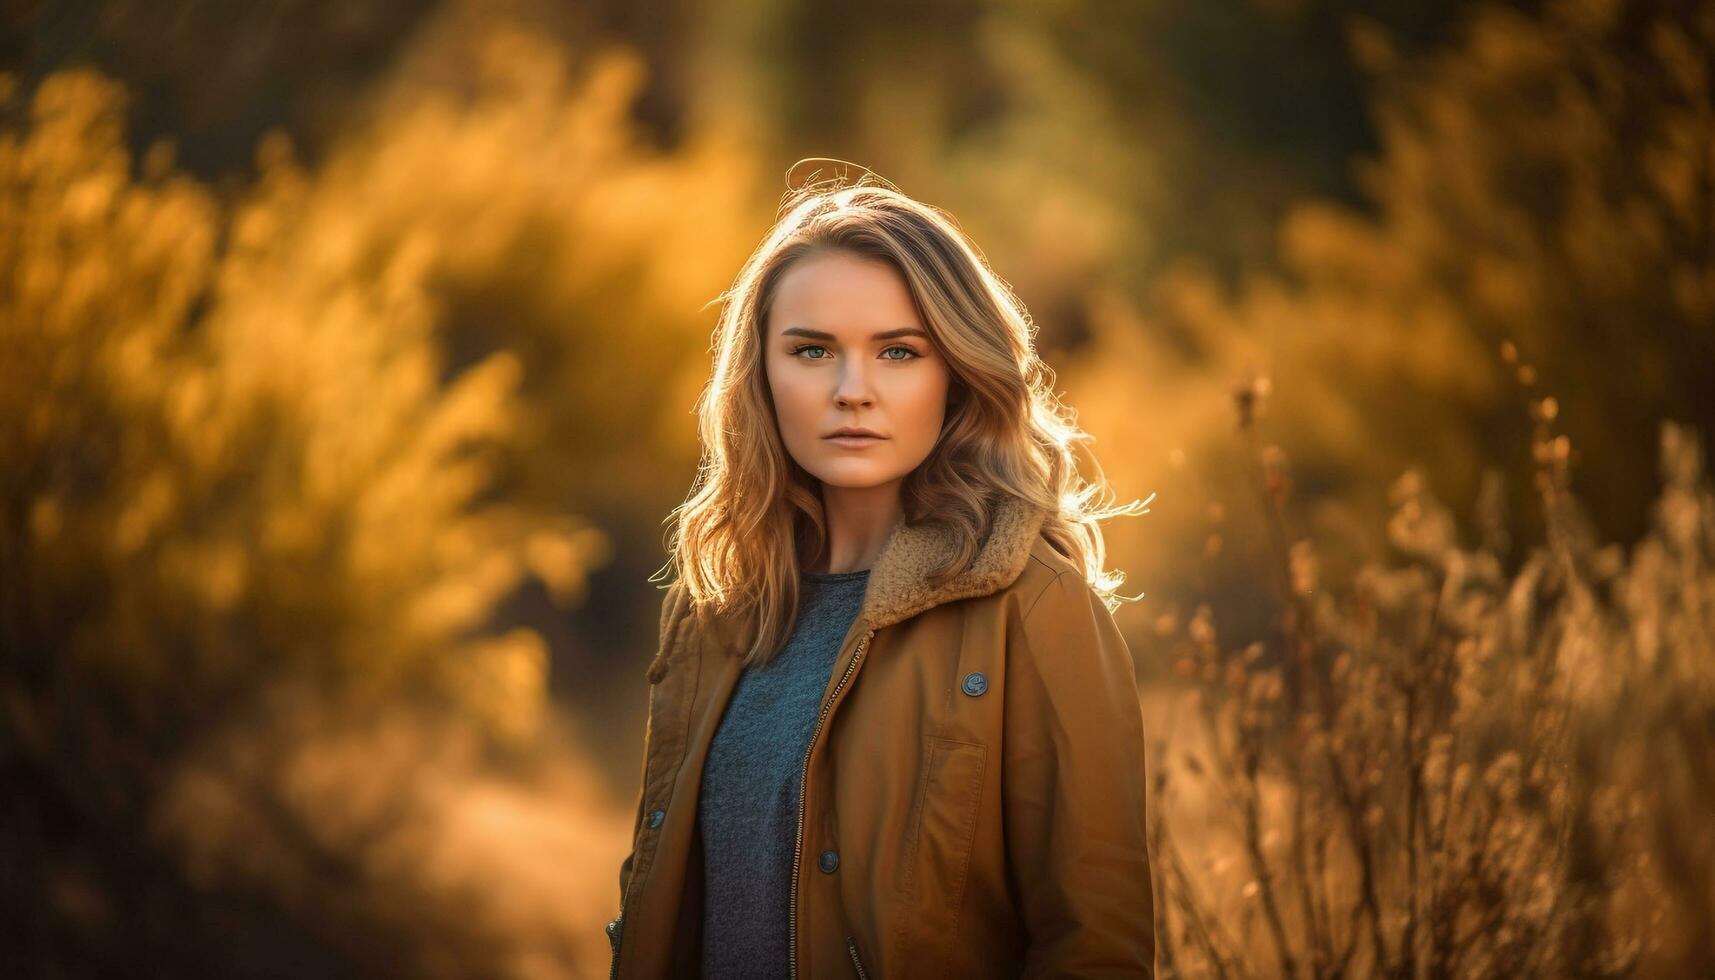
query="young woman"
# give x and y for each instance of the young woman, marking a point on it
(893, 728)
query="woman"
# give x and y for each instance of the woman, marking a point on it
(893, 729)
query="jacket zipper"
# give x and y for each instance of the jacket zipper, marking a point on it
(803, 776)
(618, 930)
(851, 947)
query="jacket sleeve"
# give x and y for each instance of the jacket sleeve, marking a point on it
(1074, 790)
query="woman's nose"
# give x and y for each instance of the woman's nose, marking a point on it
(853, 387)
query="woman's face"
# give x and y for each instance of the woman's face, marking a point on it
(845, 347)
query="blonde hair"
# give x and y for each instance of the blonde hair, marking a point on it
(755, 516)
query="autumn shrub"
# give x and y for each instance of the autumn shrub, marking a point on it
(269, 470)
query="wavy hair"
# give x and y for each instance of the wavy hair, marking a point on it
(754, 517)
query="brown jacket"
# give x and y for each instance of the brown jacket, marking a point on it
(973, 795)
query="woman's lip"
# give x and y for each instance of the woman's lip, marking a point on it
(854, 440)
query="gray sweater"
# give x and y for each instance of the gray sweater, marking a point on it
(748, 806)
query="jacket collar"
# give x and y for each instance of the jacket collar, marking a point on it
(899, 585)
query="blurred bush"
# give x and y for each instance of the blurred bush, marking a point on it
(278, 453)
(1537, 190)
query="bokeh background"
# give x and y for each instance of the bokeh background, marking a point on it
(348, 350)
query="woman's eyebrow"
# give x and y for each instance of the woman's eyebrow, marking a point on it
(824, 335)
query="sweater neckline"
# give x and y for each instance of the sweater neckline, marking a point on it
(836, 576)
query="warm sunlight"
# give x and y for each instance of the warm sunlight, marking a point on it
(355, 358)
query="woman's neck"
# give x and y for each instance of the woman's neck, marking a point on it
(859, 523)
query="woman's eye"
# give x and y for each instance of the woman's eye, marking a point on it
(908, 352)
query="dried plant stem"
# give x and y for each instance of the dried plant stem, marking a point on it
(1260, 868)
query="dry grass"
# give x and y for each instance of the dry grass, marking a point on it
(1445, 768)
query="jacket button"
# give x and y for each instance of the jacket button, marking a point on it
(976, 683)
(656, 818)
(829, 861)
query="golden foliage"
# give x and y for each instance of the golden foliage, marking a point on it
(233, 423)
(1542, 181)
(275, 452)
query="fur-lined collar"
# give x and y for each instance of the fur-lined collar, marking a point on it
(899, 585)
(898, 582)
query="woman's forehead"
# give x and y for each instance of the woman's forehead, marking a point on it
(849, 297)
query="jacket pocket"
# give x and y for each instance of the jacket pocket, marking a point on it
(942, 822)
